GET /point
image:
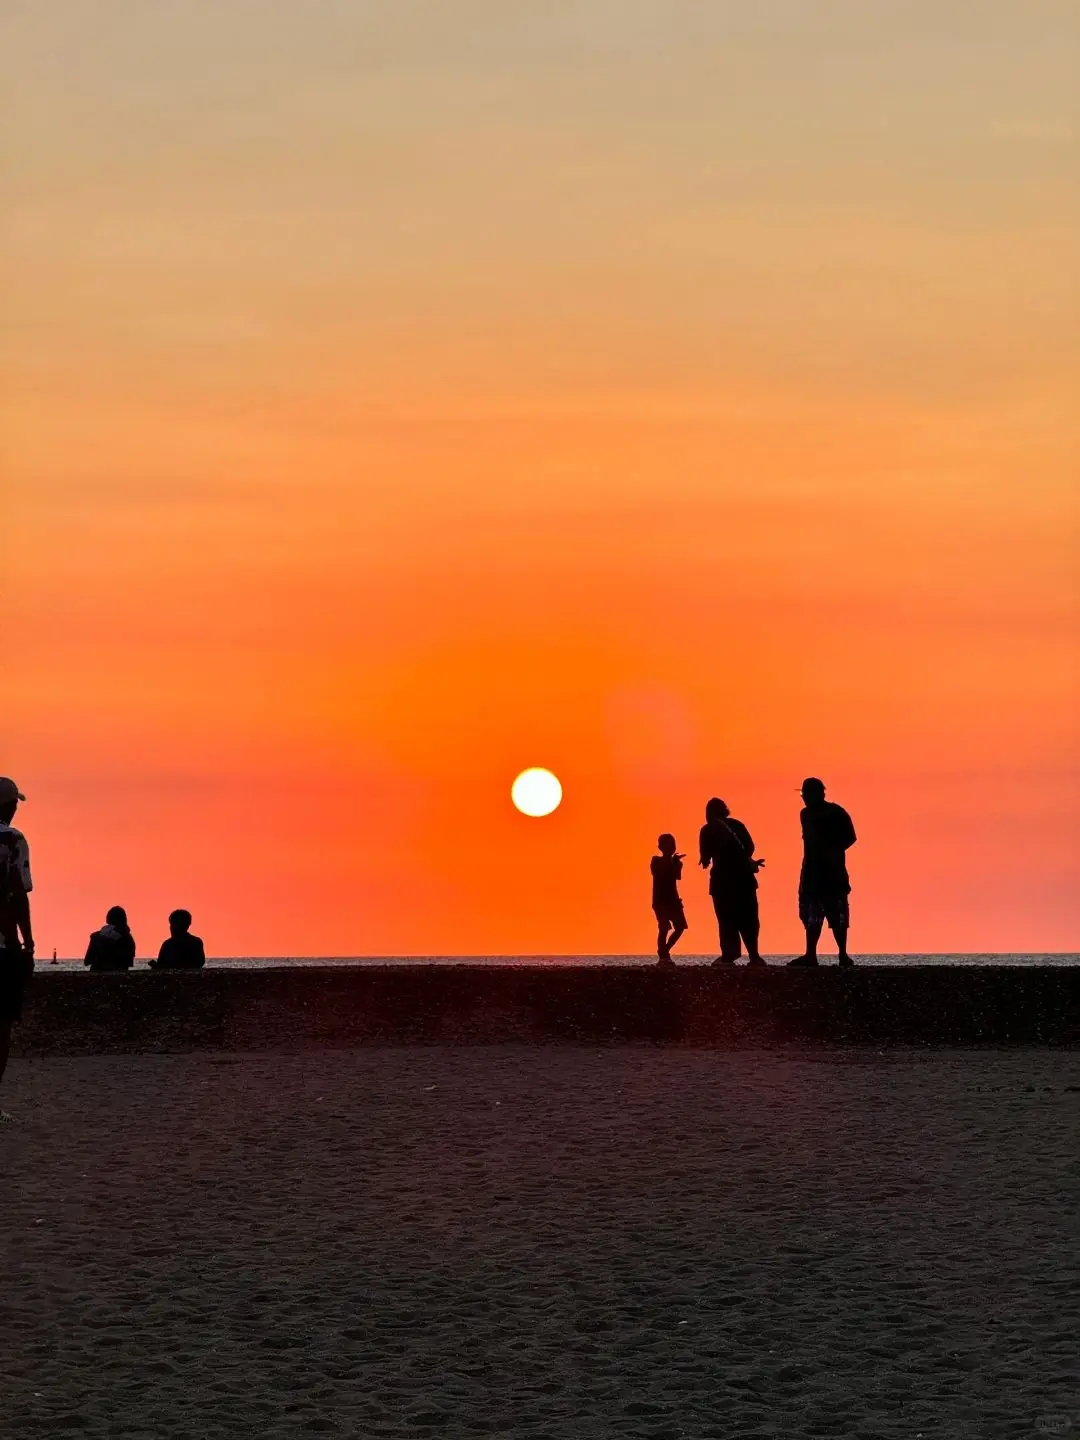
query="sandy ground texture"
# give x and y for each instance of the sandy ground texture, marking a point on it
(534, 1242)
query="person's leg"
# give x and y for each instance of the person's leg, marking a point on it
(730, 944)
(751, 929)
(812, 921)
(661, 937)
(11, 986)
(813, 935)
(718, 911)
(839, 919)
(5, 1046)
(678, 930)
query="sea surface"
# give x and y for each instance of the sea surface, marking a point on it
(270, 962)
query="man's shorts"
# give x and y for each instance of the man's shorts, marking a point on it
(15, 967)
(831, 910)
(672, 912)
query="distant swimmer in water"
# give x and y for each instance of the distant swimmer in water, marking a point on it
(824, 887)
(727, 852)
(667, 906)
(182, 950)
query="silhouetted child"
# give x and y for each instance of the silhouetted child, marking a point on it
(182, 950)
(667, 907)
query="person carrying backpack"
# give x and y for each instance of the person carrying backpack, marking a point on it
(16, 933)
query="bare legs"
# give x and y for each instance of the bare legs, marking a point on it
(813, 930)
(813, 935)
(840, 935)
(668, 933)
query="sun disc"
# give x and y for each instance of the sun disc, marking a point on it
(536, 792)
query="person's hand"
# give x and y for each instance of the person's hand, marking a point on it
(28, 946)
(757, 864)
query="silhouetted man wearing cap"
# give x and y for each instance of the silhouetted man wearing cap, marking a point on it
(824, 887)
(16, 936)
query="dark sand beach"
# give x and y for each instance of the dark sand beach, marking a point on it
(561, 1241)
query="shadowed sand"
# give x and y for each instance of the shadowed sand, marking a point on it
(558, 1242)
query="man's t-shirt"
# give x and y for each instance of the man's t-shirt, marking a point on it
(15, 876)
(181, 952)
(666, 874)
(827, 834)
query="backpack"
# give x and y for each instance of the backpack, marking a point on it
(11, 886)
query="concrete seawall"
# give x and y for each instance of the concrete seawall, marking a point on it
(313, 1007)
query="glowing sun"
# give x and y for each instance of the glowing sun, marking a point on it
(536, 792)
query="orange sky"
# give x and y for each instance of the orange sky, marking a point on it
(682, 397)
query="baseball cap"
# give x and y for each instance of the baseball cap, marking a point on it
(9, 791)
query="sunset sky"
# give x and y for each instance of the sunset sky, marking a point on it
(682, 396)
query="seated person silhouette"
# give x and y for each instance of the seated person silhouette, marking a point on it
(667, 906)
(113, 946)
(182, 950)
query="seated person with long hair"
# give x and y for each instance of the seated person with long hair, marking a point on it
(113, 946)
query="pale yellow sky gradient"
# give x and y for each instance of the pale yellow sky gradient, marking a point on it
(680, 395)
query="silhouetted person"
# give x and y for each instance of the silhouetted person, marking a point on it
(16, 933)
(113, 946)
(728, 848)
(182, 950)
(824, 886)
(667, 906)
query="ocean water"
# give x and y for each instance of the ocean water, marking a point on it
(269, 962)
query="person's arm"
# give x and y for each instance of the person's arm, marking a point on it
(127, 945)
(200, 954)
(704, 849)
(746, 840)
(21, 907)
(21, 904)
(89, 958)
(849, 832)
(755, 865)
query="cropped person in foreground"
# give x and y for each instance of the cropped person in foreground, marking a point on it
(824, 887)
(667, 906)
(16, 933)
(727, 846)
(182, 950)
(113, 946)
